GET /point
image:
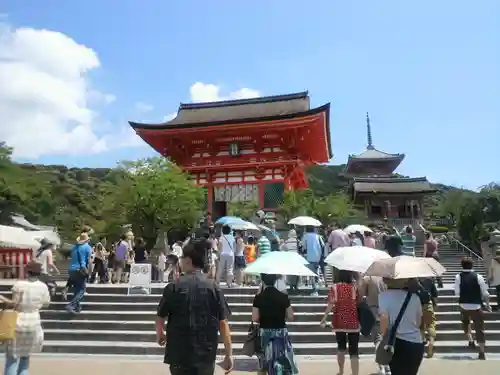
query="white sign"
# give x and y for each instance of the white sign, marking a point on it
(140, 275)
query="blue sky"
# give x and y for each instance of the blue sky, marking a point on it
(427, 72)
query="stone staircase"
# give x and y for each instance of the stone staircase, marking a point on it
(113, 322)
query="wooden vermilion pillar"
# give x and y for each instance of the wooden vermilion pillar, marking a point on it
(210, 198)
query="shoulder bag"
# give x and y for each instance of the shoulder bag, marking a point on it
(8, 321)
(385, 348)
(83, 269)
(252, 344)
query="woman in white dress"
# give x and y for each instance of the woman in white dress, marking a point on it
(28, 297)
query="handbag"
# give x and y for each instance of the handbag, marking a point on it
(366, 319)
(83, 270)
(8, 322)
(252, 344)
(385, 348)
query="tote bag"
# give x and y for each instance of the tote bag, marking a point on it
(252, 343)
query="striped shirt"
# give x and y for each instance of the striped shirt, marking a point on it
(291, 244)
(263, 245)
(409, 241)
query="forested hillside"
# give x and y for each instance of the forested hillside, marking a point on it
(71, 197)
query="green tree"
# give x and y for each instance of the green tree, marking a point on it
(296, 203)
(246, 209)
(451, 205)
(336, 208)
(154, 195)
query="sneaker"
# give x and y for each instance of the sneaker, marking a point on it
(481, 356)
(70, 310)
(381, 371)
(472, 344)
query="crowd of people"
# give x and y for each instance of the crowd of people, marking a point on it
(193, 301)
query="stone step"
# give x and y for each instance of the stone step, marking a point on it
(151, 348)
(237, 316)
(242, 326)
(141, 307)
(149, 335)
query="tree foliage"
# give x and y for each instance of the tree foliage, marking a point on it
(472, 213)
(154, 196)
(245, 210)
(332, 208)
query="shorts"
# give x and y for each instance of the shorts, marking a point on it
(118, 264)
(239, 262)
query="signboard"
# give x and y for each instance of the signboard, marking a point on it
(140, 277)
(234, 149)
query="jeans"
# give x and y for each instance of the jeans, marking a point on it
(313, 266)
(226, 265)
(16, 366)
(79, 283)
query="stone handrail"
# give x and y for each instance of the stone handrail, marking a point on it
(452, 237)
(465, 248)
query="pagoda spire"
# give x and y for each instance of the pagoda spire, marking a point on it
(369, 133)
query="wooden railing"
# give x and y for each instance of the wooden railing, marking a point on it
(13, 262)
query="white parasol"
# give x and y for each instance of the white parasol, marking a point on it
(305, 221)
(355, 258)
(243, 225)
(357, 228)
(279, 263)
(405, 267)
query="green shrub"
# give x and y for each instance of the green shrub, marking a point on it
(437, 229)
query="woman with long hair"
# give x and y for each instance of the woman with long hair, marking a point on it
(271, 309)
(343, 301)
(28, 297)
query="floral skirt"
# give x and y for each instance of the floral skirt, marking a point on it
(276, 357)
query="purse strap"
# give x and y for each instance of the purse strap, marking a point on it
(79, 257)
(394, 328)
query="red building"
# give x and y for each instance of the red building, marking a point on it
(245, 150)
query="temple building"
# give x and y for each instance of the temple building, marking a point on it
(245, 150)
(382, 195)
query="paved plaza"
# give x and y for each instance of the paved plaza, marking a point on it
(118, 366)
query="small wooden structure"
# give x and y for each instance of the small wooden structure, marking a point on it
(383, 196)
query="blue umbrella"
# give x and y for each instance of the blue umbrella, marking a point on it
(227, 220)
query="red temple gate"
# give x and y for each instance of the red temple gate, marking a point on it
(245, 150)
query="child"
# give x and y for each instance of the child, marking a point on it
(250, 256)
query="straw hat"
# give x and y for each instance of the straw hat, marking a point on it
(83, 238)
(34, 267)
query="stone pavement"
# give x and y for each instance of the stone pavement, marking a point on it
(117, 366)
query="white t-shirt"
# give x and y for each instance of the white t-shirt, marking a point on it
(43, 259)
(162, 258)
(177, 250)
(228, 244)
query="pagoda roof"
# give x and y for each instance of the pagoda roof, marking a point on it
(392, 185)
(269, 110)
(237, 111)
(372, 154)
(386, 162)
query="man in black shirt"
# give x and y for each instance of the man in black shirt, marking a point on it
(195, 310)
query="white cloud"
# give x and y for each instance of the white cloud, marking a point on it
(45, 94)
(208, 92)
(143, 107)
